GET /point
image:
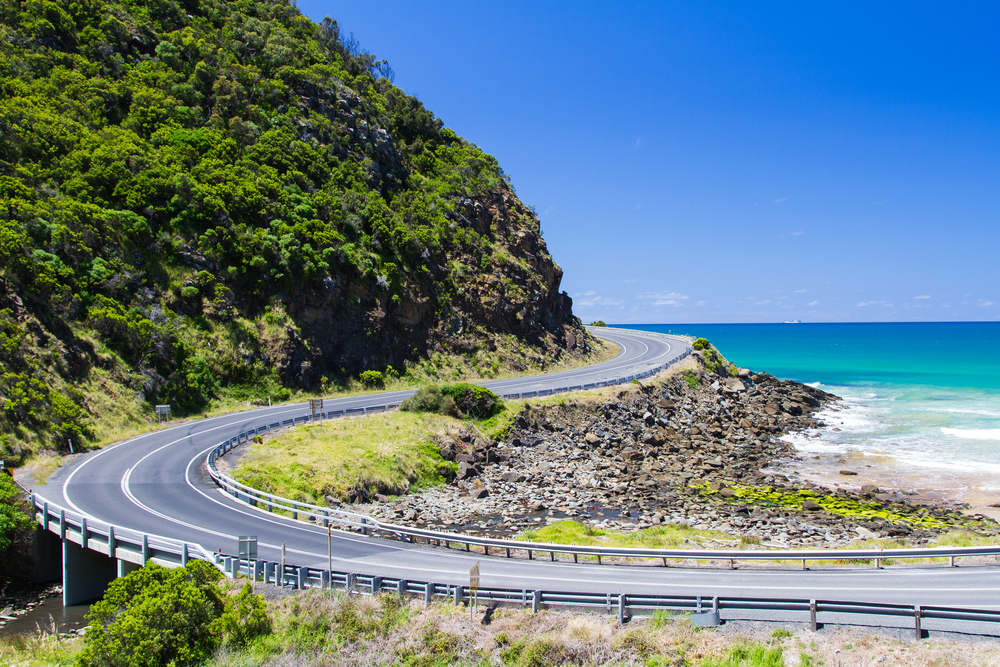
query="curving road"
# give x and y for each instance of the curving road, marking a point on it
(157, 483)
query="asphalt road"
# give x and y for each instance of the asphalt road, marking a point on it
(157, 483)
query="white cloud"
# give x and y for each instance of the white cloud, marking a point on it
(548, 210)
(630, 280)
(589, 293)
(985, 304)
(700, 303)
(797, 233)
(668, 299)
(778, 201)
(637, 207)
(923, 296)
(813, 303)
(638, 142)
(593, 300)
(884, 304)
(799, 291)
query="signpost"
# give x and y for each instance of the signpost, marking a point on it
(315, 406)
(473, 586)
(162, 411)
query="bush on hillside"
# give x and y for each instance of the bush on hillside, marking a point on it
(155, 616)
(14, 510)
(598, 323)
(430, 399)
(372, 380)
(455, 399)
(473, 401)
(701, 344)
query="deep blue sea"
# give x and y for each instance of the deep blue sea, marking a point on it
(921, 406)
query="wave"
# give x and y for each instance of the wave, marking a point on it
(973, 433)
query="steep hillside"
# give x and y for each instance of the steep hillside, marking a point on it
(208, 198)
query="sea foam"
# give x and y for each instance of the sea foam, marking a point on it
(973, 433)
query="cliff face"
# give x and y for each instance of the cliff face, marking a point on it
(223, 199)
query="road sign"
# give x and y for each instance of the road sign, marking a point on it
(162, 411)
(474, 577)
(248, 547)
(315, 406)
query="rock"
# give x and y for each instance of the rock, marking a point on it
(530, 440)
(848, 472)
(465, 458)
(630, 454)
(869, 489)
(726, 492)
(466, 471)
(480, 493)
(592, 438)
(379, 498)
(811, 505)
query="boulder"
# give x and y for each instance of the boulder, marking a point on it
(592, 438)
(811, 506)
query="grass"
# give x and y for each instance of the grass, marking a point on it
(389, 453)
(657, 537)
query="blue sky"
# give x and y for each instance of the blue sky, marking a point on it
(729, 162)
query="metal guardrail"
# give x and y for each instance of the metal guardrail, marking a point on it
(705, 609)
(115, 541)
(340, 519)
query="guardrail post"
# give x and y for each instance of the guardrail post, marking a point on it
(303, 576)
(607, 606)
(185, 556)
(350, 582)
(376, 585)
(227, 564)
(536, 601)
(62, 525)
(84, 533)
(112, 542)
(457, 595)
(295, 511)
(621, 609)
(878, 563)
(812, 615)
(916, 622)
(951, 561)
(145, 549)
(428, 593)
(258, 569)
(45, 515)
(401, 586)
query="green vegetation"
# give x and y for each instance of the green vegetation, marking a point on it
(351, 459)
(155, 616)
(657, 537)
(873, 510)
(701, 344)
(469, 400)
(372, 380)
(749, 655)
(187, 187)
(14, 511)
(598, 323)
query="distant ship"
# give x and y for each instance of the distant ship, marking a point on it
(793, 321)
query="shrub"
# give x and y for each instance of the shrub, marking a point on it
(474, 401)
(455, 399)
(701, 344)
(372, 380)
(13, 511)
(598, 323)
(155, 616)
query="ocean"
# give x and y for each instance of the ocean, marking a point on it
(921, 401)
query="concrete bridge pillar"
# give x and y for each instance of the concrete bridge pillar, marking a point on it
(85, 573)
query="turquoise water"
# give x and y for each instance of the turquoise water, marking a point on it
(921, 399)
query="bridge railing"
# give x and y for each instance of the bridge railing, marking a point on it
(115, 541)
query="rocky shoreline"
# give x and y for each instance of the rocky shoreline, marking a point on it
(693, 449)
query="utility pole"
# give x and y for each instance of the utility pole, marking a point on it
(329, 555)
